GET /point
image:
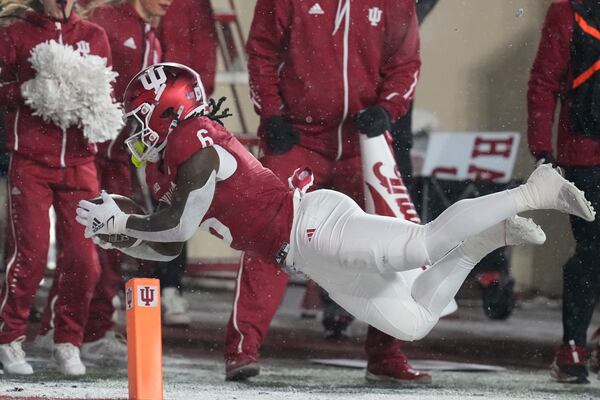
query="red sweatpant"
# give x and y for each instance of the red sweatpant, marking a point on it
(32, 189)
(261, 284)
(114, 177)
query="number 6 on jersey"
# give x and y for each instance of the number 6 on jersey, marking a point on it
(204, 139)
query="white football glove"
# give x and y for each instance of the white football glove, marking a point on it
(106, 218)
(101, 243)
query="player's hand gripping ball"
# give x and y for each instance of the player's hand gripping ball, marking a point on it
(128, 206)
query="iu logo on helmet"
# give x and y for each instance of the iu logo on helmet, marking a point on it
(155, 79)
(147, 296)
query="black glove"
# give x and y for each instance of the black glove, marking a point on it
(4, 160)
(280, 135)
(546, 158)
(374, 121)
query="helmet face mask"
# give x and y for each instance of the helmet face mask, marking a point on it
(155, 101)
(142, 142)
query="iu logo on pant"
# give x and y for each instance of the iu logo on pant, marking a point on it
(147, 296)
(375, 16)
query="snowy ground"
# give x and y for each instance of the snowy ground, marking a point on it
(187, 378)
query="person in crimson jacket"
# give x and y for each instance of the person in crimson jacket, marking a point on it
(564, 69)
(187, 34)
(134, 45)
(49, 166)
(320, 72)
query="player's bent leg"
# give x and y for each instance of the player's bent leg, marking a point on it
(437, 286)
(545, 189)
(331, 229)
(386, 301)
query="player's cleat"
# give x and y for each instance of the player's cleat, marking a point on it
(174, 307)
(109, 350)
(569, 365)
(519, 230)
(116, 302)
(512, 231)
(12, 358)
(241, 367)
(547, 189)
(44, 342)
(394, 370)
(67, 357)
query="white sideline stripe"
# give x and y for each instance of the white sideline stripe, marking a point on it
(392, 95)
(10, 264)
(343, 12)
(254, 101)
(16, 129)
(235, 304)
(63, 149)
(411, 90)
(146, 46)
(53, 311)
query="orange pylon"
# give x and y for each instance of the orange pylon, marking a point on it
(144, 339)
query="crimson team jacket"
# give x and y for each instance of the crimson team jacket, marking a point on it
(28, 135)
(551, 78)
(131, 52)
(319, 62)
(188, 37)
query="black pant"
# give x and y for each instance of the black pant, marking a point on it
(171, 273)
(581, 274)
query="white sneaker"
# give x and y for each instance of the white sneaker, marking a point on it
(547, 189)
(111, 349)
(519, 230)
(174, 307)
(44, 342)
(67, 357)
(12, 358)
(116, 302)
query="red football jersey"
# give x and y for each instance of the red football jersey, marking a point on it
(252, 210)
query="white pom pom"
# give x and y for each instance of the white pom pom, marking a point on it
(73, 90)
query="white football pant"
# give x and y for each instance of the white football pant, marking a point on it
(355, 257)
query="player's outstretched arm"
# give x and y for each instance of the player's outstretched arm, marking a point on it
(196, 180)
(192, 196)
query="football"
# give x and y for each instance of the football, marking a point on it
(128, 206)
